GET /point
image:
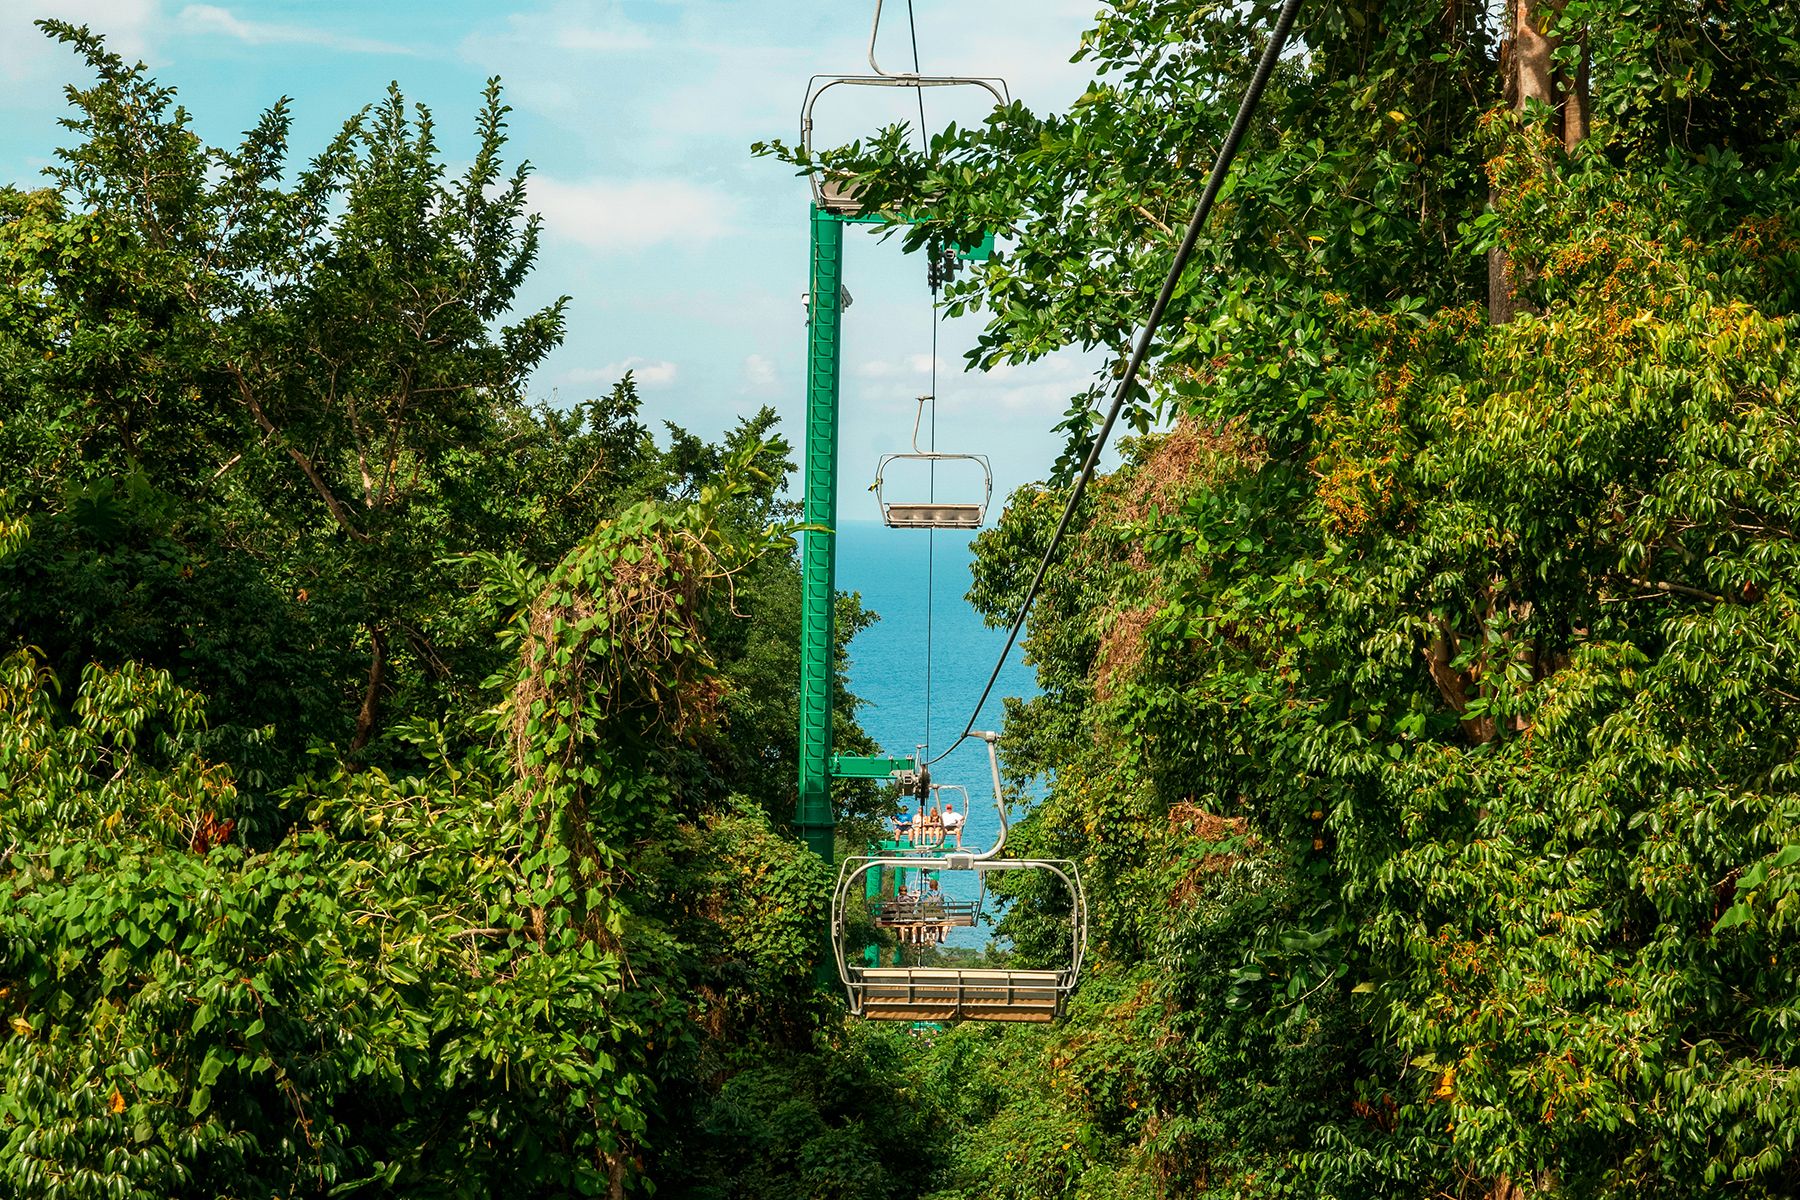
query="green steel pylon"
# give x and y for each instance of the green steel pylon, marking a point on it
(818, 543)
(813, 817)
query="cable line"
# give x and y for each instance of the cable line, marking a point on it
(931, 467)
(1284, 23)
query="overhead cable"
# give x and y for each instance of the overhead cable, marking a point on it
(1284, 23)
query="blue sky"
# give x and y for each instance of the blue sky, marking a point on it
(685, 256)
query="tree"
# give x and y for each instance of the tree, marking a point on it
(318, 364)
(315, 884)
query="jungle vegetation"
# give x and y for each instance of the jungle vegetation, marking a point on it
(1421, 701)
(385, 776)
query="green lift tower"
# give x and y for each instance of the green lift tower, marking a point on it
(818, 546)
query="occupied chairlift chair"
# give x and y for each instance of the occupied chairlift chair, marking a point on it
(952, 993)
(931, 514)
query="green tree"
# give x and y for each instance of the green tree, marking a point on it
(315, 885)
(479, 977)
(316, 365)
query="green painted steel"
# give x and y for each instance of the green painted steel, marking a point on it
(818, 543)
(813, 818)
(979, 252)
(874, 886)
(857, 766)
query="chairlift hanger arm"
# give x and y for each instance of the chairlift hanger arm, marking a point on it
(875, 32)
(994, 85)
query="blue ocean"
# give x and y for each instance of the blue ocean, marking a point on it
(915, 580)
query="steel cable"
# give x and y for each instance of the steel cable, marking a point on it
(1284, 23)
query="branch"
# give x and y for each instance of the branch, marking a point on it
(1146, 214)
(1680, 589)
(1440, 651)
(338, 512)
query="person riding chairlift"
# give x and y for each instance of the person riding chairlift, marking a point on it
(903, 826)
(952, 822)
(934, 827)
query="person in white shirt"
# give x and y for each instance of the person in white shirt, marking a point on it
(953, 823)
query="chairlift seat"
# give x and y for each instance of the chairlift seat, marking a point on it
(891, 913)
(839, 196)
(933, 516)
(922, 993)
(953, 993)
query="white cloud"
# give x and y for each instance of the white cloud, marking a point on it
(580, 27)
(648, 372)
(759, 373)
(210, 19)
(633, 214)
(910, 364)
(27, 56)
(618, 39)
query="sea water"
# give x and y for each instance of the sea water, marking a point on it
(915, 580)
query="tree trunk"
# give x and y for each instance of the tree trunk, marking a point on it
(1531, 49)
(1529, 72)
(1575, 109)
(365, 717)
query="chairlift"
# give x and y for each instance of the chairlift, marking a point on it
(838, 194)
(921, 993)
(915, 843)
(931, 514)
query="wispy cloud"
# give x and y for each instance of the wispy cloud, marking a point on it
(631, 214)
(210, 19)
(760, 373)
(647, 372)
(582, 28)
(909, 364)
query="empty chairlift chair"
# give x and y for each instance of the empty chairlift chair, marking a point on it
(931, 513)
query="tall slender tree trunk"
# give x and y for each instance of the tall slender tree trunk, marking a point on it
(1530, 72)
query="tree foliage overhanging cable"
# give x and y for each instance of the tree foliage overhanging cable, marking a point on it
(1284, 23)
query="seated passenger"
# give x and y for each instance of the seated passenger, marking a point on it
(903, 826)
(934, 827)
(953, 823)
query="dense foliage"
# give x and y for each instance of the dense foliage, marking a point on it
(392, 772)
(1423, 704)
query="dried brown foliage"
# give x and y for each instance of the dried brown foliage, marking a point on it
(1189, 822)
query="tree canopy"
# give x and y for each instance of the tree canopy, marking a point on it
(1420, 700)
